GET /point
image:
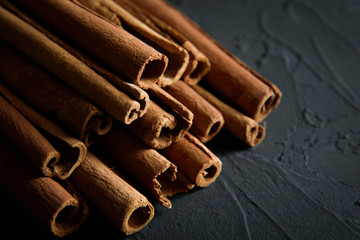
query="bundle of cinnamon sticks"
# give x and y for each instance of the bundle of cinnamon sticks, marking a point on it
(113, 101)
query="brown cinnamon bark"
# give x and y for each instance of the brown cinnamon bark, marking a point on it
(192, 157)
(60, 208)
(134, 92)
(199, 64)
(125, 207)
(144, 164)
(121, 51)
(166, 120)
(24, 135)
(52, 150)
(246, 129)
(207, 121)
(178, 57)
(240, 84)
(52, 97)
(68, 68)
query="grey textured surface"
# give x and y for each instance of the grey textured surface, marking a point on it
(303, 180)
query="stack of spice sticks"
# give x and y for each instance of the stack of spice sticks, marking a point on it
(89, 85)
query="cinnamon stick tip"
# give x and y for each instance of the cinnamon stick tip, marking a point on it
(212, 130)
(152, 71)
(97, 125)
(209, 173)
(67, 165)
(270, 103)
(138, 218)
(69, 217)
(255, 134)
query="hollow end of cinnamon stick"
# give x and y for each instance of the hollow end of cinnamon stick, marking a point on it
(72, 155)
(152, 71)
(170, 182)
(208, 174)
(71, 215)
(194, 159)
(243, 127)
(266, 106)
(207, 121)
(96, 125)
(255, 134)
(198, 67)
(137, 219)
(212, 130)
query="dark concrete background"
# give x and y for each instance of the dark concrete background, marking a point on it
(303, 180)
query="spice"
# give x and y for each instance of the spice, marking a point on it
(57, 205)
(51, 96)
(130, 211)
(208, 121)
(246, 129)
(147, 166)
(197, 162)
(178, 57)
(237, 82)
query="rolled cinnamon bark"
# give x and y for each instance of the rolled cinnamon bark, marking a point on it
(166, 120)
(121, 51)
(125, 207)
(68, 68)
(24, 135)
(144, 164)
(207, 121)
(192, 157)
(52, 150)
(51, 96)
(246, 129)
(240, 84)
(199, 64)
(178, 57)
(60, 208)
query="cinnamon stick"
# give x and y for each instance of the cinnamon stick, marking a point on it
(236, 81)
(246, 129)
(148, 167)
(121, 51)
(68, 68)
(199, 64)
(208, 121)
(52, 97)
(52, 150)
(127, 208)
(178, 57)
(60, 208)
(192, 157)
(166, 120)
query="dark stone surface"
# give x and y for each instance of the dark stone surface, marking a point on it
(303, 180)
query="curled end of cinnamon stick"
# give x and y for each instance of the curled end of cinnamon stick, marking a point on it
(208, 174)
(138, 217)
(254, 134)
(49, 162)
(170, 182)
(268, 104)
(210, 165)
(97, 124)
(72, 155)
(198, 67)
(212, 130)
(195, 160)
(71, 215)
(152, 71)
